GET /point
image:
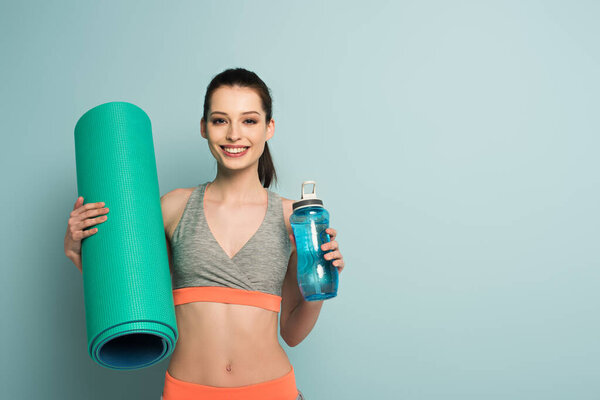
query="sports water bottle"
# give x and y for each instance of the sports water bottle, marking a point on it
(317, 277)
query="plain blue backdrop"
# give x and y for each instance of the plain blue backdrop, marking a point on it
(455, 145)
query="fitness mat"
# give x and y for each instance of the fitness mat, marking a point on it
(129, 310)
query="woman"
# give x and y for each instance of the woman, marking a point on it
(232, 258)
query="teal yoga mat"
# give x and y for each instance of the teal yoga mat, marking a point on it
(129, 310)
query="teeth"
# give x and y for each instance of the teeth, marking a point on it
(234, 151)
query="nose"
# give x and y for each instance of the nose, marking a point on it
(233, 133)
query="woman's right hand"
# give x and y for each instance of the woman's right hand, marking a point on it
(82, 216)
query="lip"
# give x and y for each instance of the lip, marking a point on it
(234, 147)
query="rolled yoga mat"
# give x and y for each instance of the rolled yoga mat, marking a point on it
(129, 310)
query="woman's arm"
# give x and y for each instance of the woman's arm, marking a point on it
(298, 316)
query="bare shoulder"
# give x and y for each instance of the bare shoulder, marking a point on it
(172, 204)
(287, 211)
(287, 207)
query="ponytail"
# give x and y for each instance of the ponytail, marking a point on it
(266, 169)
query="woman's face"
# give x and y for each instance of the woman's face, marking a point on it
(236, 130)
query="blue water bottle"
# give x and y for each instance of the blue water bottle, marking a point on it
(317, 277)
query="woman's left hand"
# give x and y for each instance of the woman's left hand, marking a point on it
(334, 250)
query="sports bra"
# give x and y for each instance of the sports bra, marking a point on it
(202, 271)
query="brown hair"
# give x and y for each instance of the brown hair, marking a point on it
(244, 78)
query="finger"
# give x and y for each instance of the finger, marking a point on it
(87, 207)
(292, 239)
(333, 245)
(87, 233)
(93, 221)
(78, 203)
(332, 232)
(93, 212)
(339, 264)
(87, 218)
(333, 255)
(83, 207)
(82, 221)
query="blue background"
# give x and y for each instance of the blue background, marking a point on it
(455, 145)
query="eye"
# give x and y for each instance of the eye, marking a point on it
(251, 121)
(217, 121)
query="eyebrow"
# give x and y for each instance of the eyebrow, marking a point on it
(244, 113)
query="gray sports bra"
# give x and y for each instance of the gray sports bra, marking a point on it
(202, 271)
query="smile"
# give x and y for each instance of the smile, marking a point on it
(234, 151)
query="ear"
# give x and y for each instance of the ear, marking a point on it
(203, 128)
(270, 129)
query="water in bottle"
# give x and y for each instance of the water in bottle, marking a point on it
(317, 277)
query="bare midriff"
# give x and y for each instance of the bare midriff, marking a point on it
(227, 345)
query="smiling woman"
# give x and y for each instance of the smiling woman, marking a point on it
(234, 259)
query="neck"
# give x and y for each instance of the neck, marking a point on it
(237, 186)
